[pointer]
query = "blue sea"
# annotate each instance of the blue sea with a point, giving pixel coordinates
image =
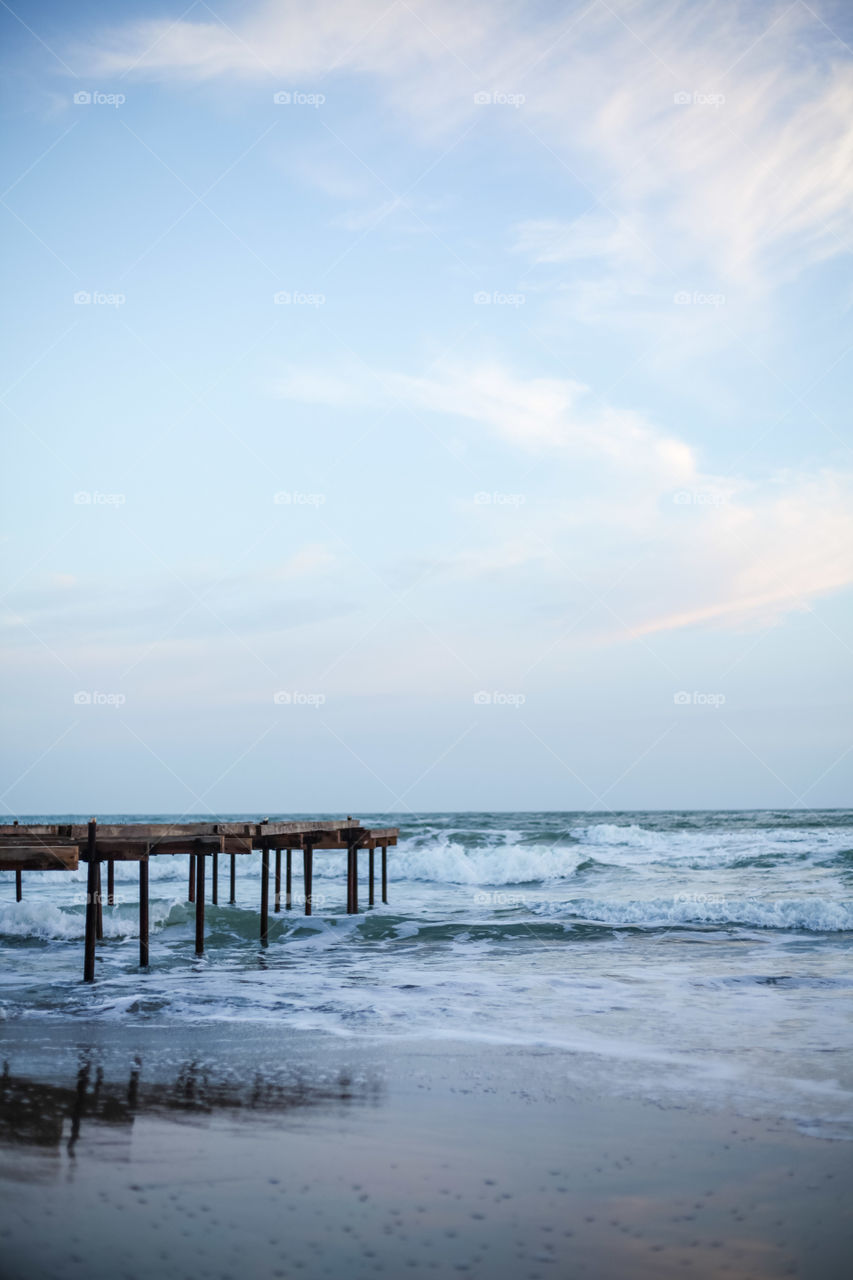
(690, 959)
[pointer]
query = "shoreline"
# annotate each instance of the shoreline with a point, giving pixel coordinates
(275, 1152)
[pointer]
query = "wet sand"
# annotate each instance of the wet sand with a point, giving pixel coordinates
(232, 1151)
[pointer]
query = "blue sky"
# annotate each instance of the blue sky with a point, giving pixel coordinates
(427, 406)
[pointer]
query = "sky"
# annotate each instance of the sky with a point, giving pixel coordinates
(414, 405)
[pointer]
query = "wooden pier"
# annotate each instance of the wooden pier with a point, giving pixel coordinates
(63, 846)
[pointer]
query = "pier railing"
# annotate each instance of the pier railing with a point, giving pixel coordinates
(63, 846)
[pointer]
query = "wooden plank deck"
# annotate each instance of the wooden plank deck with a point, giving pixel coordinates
(63, 846)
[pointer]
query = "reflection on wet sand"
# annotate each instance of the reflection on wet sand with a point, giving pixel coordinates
(41, 1115)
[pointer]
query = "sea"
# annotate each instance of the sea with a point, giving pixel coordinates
(688, 959)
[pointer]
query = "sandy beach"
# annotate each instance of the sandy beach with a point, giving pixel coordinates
(216, 1153)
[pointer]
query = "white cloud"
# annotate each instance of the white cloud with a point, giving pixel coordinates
(711, 548)
(754, 175)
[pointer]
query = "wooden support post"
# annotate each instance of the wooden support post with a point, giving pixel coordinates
(111, 883)
(370, 878)
(265, 896)
(214, 879)
(191, 889)
(355, 879)
(308, 876)
(385, 873)
(349, 879)
(288, 897)
(277, 906)
(143, 912)
(19, 885)
(199, 902)
(100, 911)
(91, 908)
(233, 897)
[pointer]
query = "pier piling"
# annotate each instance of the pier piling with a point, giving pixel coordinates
(19, 885)
(143, 911)
(199, 903)
(233, 896)
(370, 878)
(91, 890)
(288, 898)
(277, 907)
(385, 873)
(308, 876)
(111, 883)
(265, 896)
(214, 879)
(191, 887)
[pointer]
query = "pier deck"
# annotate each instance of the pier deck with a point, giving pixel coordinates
(63, 846)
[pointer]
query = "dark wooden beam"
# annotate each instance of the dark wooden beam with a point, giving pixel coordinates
(143, 913)
(91, 910)
(199, 902)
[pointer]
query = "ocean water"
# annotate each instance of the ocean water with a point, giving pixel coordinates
(689, 959)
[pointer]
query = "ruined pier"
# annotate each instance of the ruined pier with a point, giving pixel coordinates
(61, 847)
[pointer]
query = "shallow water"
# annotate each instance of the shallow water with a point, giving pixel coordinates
(696, 958)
